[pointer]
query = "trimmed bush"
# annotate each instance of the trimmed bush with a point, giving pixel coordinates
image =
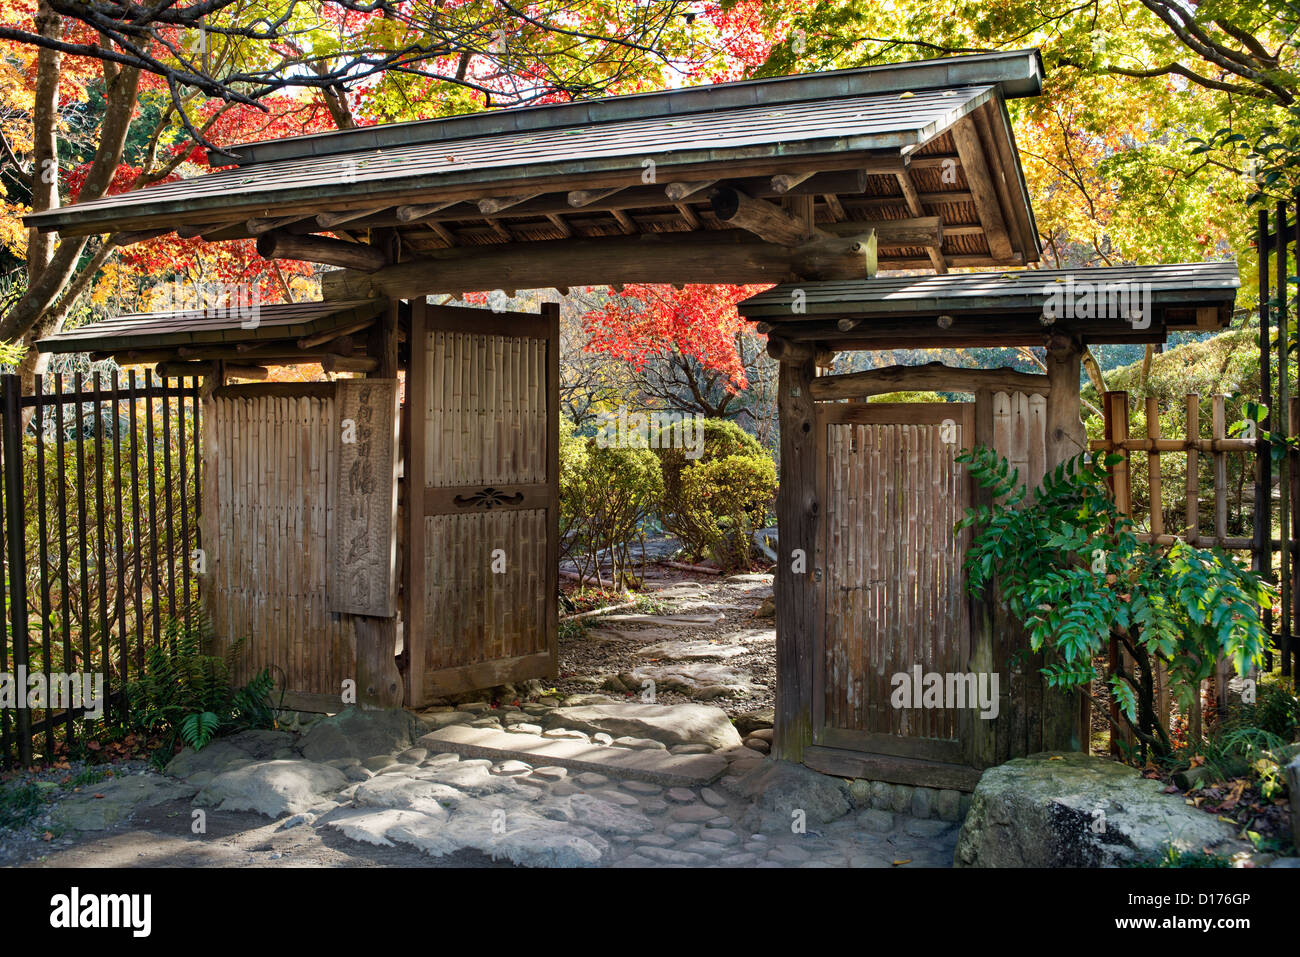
(714, 503)
(605, 495)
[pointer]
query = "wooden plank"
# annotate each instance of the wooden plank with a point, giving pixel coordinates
(890, 768)
(414, 480)
(363, 549)
(933, 376)
(798, 518)
(976, 167)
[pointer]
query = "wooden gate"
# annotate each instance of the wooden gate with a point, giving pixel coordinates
(893, 594)
(270, 451)
(482, 524)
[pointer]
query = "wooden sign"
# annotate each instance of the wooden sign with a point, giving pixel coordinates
(363, 539)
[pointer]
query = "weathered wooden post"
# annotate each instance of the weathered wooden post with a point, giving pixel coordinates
(1065, 717)
(797, 516)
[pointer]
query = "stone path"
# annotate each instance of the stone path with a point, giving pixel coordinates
(710, 640)
(377, 783)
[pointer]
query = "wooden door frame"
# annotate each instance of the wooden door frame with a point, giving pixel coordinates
(419, 498)
(877, 744)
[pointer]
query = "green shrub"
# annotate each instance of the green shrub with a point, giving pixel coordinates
(1070, 567)
(186, 694)
(605, 495)
(714, 503)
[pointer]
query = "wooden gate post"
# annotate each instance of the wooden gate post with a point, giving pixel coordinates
(1065, 718)
(379, 682)
(15, 519)
(797, 515)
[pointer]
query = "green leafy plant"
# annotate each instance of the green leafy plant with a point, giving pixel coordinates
(1072, 569)
(716, 502)
(606, 494)
(187, 694)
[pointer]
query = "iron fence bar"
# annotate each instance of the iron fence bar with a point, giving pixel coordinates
(17, 522)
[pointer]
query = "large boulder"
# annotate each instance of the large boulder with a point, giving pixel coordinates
(780, 789)
(1066, 809)
(354, 733)
(670, 724)
(245, 747)
(272, 788)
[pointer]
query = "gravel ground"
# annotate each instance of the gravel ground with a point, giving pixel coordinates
(586, 657)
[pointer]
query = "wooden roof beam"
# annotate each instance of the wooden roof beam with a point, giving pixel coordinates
(496, 204)
(680, 191)
(578, 198)
(705, 257)
(913, 200)
(983, 192)
(931, 377)
(320, 249)
(765, 220)
(414, 213)
(256, 227)
(330, 220)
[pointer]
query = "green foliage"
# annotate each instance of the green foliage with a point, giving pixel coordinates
(1275, 709)
(187, 694)
(1173, 857)
(606, 493)
(714, 503)
(19, 803)
(1071, 568)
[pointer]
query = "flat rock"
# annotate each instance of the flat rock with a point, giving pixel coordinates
(696, 679)
(272, 788)
(657, 767)
(99, 806)
(1043, 811)
(669, 724)
(690, 650)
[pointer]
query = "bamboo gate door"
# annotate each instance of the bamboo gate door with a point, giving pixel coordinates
(892, 589)
(482, 520)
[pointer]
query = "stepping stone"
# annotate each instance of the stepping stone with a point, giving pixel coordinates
(590, 779)
(655, 766)
(672, 621)
(601, 738)
(712, 798)
(551, 773)
(638, 744)
(509, 768)
(565, 789)
(565, 733)
(737, 860)
(723, 821)
(654, 807)
(680, 796)
(702, 847)
(378, 762)
(413, 755)
(524, 727)
(474, 707)
(656, 840)
(690, 749)
(693, 812)
(616, 797)
(682, 830)
(641, 787)
(721, 836)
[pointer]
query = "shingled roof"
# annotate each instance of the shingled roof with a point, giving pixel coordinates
(922, 152)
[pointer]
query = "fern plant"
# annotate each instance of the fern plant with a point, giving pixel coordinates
(1071, 568)
(186, 694)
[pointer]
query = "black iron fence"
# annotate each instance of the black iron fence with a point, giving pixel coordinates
(100, 531)
(1277, 477)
